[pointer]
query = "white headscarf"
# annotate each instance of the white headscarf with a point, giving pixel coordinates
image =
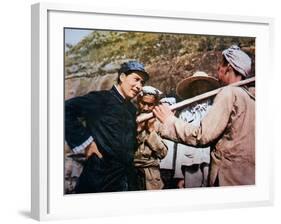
(194, 113)
(168, 100)
(151, 91)
(238, 59)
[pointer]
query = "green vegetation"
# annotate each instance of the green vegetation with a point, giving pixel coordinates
(168, 57)
(107, 46)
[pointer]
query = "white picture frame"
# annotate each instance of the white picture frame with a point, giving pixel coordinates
(48, 200)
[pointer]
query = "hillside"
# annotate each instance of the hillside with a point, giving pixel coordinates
(92, 63)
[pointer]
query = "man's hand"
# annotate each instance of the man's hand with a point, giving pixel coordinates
(141, 126)
(151, 125)
(92, 149)
(162, 112)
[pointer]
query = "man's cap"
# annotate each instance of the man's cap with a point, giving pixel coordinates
(239, 60)
(133, 66)
(198, 83)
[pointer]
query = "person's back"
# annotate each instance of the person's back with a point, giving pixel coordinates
(236, 148)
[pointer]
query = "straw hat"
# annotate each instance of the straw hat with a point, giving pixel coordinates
(196, 84)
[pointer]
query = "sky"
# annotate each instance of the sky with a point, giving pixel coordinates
(73, 36)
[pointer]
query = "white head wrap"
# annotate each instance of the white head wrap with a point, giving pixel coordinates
(194, 113)
(151, 91)
(168, 100)
(238, 59)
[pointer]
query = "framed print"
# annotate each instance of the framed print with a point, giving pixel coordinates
(84, 116)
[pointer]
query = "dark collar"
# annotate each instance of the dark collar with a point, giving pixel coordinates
(114, 91)
(117, 95)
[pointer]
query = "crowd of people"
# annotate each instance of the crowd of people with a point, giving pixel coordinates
(210, 142)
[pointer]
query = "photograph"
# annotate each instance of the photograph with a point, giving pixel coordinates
(157, 111)
(148, 106)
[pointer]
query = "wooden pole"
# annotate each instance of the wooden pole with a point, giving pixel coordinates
(189, 101)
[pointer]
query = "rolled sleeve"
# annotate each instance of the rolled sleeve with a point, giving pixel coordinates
(210, 128)
(81, 148)
(157, 144)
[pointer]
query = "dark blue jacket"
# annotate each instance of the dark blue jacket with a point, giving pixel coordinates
(111, 121)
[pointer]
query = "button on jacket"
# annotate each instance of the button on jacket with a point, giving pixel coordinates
(110, 121)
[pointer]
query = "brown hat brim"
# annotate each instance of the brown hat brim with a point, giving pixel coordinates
(196, 85)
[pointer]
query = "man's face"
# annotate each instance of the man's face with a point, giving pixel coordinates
(146, 103)
(131, 85)
(223, 74)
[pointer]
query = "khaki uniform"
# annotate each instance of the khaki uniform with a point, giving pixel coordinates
(151, 149)
(230, 126)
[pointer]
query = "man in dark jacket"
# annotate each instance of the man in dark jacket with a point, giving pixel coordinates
(108, 138)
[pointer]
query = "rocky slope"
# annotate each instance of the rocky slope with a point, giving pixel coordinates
(92, 64)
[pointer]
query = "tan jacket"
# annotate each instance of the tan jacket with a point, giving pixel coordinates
(151, 149)
(230, 125)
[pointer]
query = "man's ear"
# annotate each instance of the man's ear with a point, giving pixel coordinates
(229, 68)
(122, 77)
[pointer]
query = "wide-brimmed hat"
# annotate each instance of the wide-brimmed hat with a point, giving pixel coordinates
(197, 84)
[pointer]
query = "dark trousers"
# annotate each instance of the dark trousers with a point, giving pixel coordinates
(168, 178)
(99, 175)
